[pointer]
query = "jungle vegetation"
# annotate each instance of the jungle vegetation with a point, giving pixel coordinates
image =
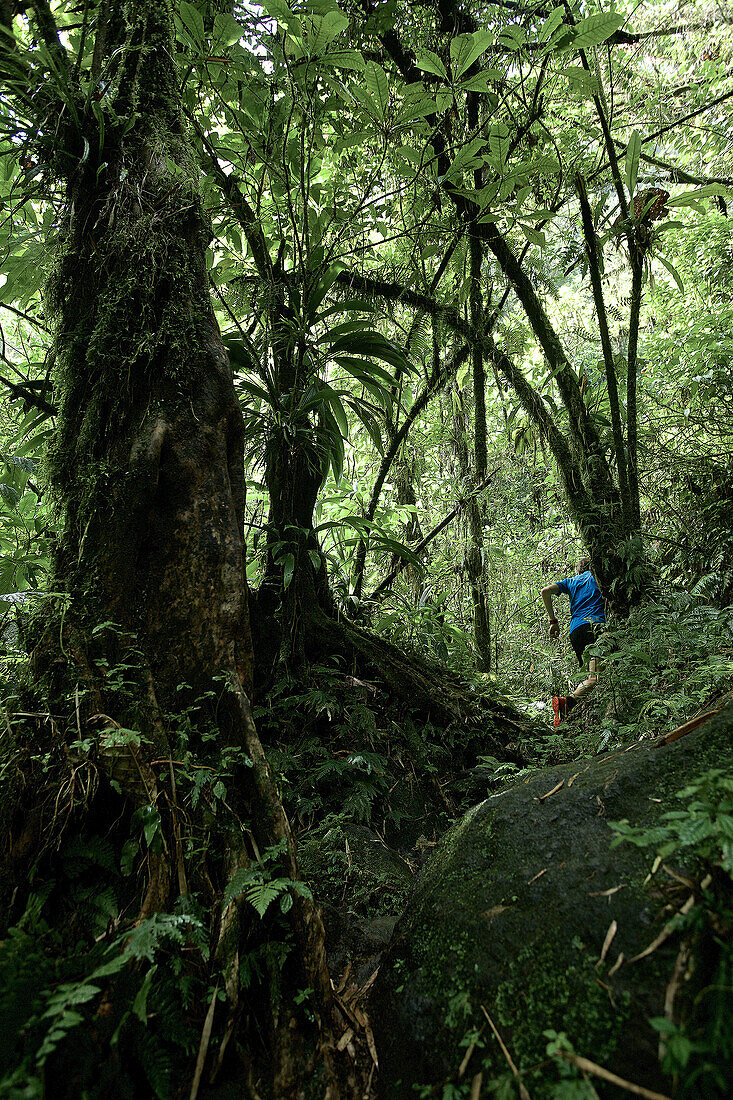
(329, 333)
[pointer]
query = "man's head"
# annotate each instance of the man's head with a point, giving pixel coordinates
(583, 565)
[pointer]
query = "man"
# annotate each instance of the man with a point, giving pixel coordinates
(587, 610)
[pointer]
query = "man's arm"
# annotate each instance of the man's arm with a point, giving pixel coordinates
(548, 592)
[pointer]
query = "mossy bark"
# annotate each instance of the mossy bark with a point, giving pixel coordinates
(146, 464)
(146, 468)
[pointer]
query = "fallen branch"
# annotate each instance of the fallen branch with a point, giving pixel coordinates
(586, 1066)
(688, 727)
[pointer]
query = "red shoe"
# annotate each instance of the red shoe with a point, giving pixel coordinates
(560, 709)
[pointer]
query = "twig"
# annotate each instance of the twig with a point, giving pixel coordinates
(670, 927)
(554, 790)
(204, 1045)
(510, 1061)
(587, 1066)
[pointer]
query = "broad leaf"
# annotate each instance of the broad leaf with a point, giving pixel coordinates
(595, 29)
(633, 151)
(429, 62)
(378, 87)
(466, 48)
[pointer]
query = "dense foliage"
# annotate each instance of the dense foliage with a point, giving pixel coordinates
(472, 267)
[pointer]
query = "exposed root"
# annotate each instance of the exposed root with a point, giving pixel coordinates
(417, 683)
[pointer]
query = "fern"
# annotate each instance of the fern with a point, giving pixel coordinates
(157, 1064)
(142, 941)
(260, 891)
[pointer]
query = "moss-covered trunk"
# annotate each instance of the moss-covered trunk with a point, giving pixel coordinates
(147, 460)
(144, 651)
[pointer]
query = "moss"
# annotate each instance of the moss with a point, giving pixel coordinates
(512, 911)
(542, 992)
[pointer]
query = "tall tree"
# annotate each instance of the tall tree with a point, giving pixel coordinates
(147, 470)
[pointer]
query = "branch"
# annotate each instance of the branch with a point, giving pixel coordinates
(582, 428)
(432, 386)
(384, 585)
(580, 501)
(594, 267)
(49, 32)
(686, 118)
(19, 390)
(241, 209)
(24, 316)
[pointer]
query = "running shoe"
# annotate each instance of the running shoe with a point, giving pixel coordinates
(559, 709)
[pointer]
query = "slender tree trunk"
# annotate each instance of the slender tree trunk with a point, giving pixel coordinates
(637, 273)
(474, 557)
(594, 266)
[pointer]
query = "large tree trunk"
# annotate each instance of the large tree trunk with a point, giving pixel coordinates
(147, 470)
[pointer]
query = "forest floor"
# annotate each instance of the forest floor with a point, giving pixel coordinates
(374, 808)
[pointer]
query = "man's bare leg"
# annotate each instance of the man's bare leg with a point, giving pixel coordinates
(590, 681)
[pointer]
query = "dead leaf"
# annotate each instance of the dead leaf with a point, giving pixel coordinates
(510, 1062)
(612, 930)
(495, 910)
(466, 1059)
(586, 1066)
(538, 875)
(617, 964)
(370, 1043)
(607, 893)
(669, 928)
(345, 1039)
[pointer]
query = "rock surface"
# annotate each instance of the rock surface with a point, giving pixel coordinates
(510, 917)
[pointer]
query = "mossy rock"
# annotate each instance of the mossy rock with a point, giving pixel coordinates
(510, 916)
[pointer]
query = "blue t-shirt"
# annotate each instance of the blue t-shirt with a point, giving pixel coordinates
(586, 601)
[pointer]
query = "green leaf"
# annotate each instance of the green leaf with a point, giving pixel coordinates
(429, 62)
(378, 87)
(288, 569)
(633, 151)
(337, 409)
(513, 37)
(326, 28)
(466, 48)
(499, 144)
(673, 272)
(226, 31)
(581, 80)
(551, 24)
(595, 29)
(9, 494)
(345, 59)
(689, 198)
(482, 81)
(192, 21)
(140, 1004)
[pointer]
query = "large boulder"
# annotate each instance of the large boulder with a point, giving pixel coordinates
(509, 919)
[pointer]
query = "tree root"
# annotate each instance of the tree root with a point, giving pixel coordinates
(419, 684)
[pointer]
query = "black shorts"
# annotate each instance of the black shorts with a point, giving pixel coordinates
(585, 635)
